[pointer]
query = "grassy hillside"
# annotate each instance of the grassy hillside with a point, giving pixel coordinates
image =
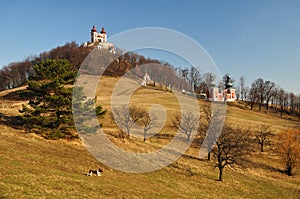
(32, 167)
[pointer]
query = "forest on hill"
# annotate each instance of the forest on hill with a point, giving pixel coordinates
(263, 93)
(49, 77)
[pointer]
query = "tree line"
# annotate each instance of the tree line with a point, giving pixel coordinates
(48, 78)
(266, 95)
(263, 94)
(17, 74)
(232, 147)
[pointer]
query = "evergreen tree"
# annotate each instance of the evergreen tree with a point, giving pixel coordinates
(84, 112)
(49, 111)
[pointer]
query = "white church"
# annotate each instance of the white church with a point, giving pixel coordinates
(100, 37)
(99, 40)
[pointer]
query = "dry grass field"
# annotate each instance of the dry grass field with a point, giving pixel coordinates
(32, 167)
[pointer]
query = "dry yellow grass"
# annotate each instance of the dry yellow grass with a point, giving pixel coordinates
(32, 167)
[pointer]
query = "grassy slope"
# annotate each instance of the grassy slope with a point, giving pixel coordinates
(31, 167)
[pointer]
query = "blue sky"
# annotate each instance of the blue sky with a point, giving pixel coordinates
(255, 38)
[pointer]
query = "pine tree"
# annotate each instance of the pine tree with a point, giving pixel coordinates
(49, 111)
(84, 112)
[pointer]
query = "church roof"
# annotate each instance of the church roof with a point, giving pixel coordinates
(94, 29)
(102, 30)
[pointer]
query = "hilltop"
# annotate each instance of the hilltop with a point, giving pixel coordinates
(35, 167)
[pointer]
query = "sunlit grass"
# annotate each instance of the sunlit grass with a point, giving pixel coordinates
(32, 167)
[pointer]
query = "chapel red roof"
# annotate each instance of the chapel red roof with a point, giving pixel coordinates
(102, 30)
(94, 29)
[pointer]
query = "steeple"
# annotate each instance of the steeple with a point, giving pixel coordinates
(94, 29)
(102, 30)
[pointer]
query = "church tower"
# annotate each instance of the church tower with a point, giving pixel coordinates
(93, 34)
(103, 34)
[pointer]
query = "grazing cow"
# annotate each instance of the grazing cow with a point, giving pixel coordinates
(96, 172)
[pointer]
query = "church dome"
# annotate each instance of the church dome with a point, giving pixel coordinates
(102, 30)
(94, 29)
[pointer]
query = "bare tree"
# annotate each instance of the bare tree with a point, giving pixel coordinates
(262, 92)
(262, 136)
(242, 88)
(148, 121)
(238, 93)
(260, 87)
(289, 147)
(210, 125)
(126, 117)
(206, 117)
(297, 102)
(282, 100)
(246, 92)
(195, 78)
(184, 73)
(269, 92)
(185, 123)
(209, 79)
(253, 95)
(203, 127)
(233, 144)
(274, 98)
(292, 102)
(207, 82)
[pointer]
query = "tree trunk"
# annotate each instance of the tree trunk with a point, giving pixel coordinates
(262, 147)
(289, 171)
(252, 105)
(220, 174)
(272, 104)
(144, 136)
(267, 105)
(188, 137)
(208, 156)
(128, 132)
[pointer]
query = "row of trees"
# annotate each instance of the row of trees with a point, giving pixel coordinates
(199, 82)
(18, 73)
(266, 94)
(128, 116)
(228, 148)
(49, 109)
(15, 74)
(235, 143)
